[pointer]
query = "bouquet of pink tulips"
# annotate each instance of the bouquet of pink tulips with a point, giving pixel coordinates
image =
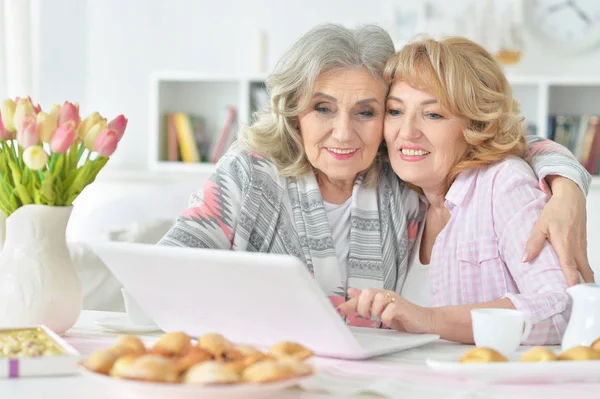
(49, 158)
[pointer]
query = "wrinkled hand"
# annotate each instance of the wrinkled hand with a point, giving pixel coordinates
(393, 310)
(563, 224)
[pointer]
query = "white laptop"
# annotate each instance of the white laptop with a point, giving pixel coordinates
(254, 299)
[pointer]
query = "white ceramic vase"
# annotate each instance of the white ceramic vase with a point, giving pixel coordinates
(38, 280)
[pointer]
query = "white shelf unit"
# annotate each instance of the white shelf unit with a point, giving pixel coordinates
(205, 95)
(544, 96)
(539, 96)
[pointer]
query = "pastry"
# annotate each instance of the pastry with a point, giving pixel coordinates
(175, 343)
(215, 344)
(213, 361)
(211, 373)
(580, 353)
(246, 361)
(539, 354)
(483, 355)
(133, 344)
(220, 347)
(145, 368)
(248, 350)
(194, 356)
(229, 355)
(290, 349)
(100, 361)
(122, 350)
(596, 345)
(122, 366)
(267, 371)
(298, 367)
(154, 368)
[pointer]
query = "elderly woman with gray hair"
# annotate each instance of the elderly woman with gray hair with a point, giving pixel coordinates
(308, 177)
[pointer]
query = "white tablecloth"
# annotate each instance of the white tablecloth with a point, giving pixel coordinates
(403, 376)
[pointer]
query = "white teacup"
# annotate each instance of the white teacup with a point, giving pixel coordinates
(501, 329)
(134, 311)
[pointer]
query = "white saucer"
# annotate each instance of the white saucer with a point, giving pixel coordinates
(123, 324)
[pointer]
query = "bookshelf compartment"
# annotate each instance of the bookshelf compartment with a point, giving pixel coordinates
(207, 100)
(574, 100)
(212, 109)
(574, 121)
(541, 98)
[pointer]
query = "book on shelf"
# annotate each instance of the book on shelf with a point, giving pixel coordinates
(581, 135)
(202, 136)
(227, 134)
(173, 153)
(187, 139)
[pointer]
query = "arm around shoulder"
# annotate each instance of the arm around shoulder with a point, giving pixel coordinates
(548, 158)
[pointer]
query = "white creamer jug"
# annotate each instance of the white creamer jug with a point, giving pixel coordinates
(584, 326)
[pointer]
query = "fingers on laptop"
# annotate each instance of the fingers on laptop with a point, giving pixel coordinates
(367, 303)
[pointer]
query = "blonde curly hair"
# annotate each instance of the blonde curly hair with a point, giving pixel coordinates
(468, 82)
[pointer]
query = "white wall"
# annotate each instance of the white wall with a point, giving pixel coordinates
(205, 36)
(101, 53)
(60, 51)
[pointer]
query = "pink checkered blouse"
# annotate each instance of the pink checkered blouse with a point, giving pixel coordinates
(477, 256)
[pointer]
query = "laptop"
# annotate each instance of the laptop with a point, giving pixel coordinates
(250, 298)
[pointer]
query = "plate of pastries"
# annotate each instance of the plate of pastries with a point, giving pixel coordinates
(530, 365)
(178, 366)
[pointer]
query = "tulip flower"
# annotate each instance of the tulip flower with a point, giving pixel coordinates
(23, 110)
(49, 156)
(7, 110)
(54, 111)
(118, 124)
(36, 108)
(63, 138)
(68, 112)
(90, 137)
(106, 142)
(27, 133)
(4, 133)
(87, 123)
(35, 157)
(46, 126)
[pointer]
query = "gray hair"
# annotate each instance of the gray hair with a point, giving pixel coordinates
(325, 48)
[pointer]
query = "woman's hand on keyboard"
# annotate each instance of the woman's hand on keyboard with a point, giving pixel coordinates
(393, 310)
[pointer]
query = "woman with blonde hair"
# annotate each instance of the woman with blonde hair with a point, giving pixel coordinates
(454, 132)
(307, 178)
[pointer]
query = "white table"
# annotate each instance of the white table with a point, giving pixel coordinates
(402, 375)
